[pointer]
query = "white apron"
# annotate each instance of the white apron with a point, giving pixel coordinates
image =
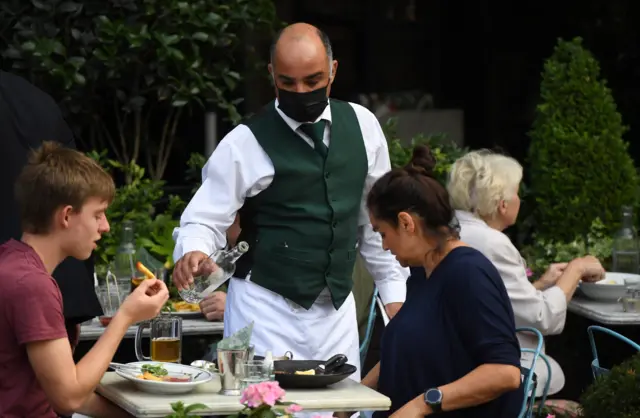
(281, 325)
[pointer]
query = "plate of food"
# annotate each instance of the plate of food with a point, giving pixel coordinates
(312, 374)
(163, 378)
(182, 308)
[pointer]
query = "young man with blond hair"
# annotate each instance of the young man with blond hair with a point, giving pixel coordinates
(62, 197)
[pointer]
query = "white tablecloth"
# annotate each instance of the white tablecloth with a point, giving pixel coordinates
(198, 326)
(608, 313)
(344, 396)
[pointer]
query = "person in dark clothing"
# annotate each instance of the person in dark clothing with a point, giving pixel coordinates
(28, 117)
(452, 348)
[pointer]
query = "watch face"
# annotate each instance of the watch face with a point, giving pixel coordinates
(433, 396)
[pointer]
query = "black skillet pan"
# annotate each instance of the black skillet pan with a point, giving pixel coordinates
(327, 372)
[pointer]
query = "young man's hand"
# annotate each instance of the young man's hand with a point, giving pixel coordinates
(146, 301)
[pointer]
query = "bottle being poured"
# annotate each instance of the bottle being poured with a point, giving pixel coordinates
(213, 272)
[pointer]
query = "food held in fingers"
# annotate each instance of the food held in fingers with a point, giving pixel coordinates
(144, 270)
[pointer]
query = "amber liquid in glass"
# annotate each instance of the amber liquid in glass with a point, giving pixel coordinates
(165, 349)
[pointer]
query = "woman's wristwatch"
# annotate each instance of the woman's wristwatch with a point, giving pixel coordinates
(433, 398)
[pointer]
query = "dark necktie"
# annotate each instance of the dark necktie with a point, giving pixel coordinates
(315, 131)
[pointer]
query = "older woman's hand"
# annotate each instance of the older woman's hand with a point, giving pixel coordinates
(592, 269)
(553, 273)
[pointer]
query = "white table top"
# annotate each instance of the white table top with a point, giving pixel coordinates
(347, 395)
(609, 313)
(197, 326)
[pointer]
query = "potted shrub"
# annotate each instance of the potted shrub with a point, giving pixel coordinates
(580, 168)
(616, 394)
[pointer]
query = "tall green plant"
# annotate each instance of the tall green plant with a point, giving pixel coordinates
(128, 70)
(580, 168)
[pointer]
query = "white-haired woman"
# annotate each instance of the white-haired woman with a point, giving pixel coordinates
(483, 188)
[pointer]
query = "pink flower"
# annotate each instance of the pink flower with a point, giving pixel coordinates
(262, 393)
(529, 274)
(292, 409)
(551, 416)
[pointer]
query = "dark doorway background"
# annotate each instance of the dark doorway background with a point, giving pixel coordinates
(482, 56)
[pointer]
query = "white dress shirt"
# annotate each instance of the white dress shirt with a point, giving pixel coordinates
(544, 310)
(239, 169)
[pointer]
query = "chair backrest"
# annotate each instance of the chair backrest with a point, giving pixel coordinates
(595, 364)
(545, 391)
(529, 378)
(364, 347)
(383, 311)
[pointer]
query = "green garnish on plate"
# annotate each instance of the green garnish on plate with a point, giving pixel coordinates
(155, 369)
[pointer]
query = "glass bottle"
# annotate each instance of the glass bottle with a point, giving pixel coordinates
(213, 272)
(626, 252)
(123, 266)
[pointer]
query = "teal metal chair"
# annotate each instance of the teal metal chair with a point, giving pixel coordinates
(545, 391)
(529, 378)
(595, 364)
(364, 346)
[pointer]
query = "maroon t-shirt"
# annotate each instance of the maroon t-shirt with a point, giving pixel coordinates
(30, 311)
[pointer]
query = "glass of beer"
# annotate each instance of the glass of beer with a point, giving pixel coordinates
(165, 332)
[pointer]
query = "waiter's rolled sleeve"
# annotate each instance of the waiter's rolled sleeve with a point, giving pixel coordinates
(390, 277)
(188, 244)
(482, 316)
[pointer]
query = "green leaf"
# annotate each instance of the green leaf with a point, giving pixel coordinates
(176, 53)
(179, 102)
(171, 39)
(80, 79)
(76, 62)
(40, 5)
(28, 46)
(70, 7)
(200, 36)
(195, 407)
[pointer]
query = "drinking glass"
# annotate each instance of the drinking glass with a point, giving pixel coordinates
(255, 371)
(111, 294)
(165, 332)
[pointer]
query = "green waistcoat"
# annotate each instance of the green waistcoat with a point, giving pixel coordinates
(302, 229)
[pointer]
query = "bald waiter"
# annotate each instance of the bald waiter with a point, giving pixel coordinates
(298, 173)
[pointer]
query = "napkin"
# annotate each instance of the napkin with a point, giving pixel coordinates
(238, 341)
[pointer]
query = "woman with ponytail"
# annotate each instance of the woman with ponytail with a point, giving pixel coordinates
(452, 348)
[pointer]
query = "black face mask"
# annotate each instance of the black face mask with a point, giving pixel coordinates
(303, 107)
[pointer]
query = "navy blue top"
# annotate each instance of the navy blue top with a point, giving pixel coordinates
(453, 322)
(417, 278)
